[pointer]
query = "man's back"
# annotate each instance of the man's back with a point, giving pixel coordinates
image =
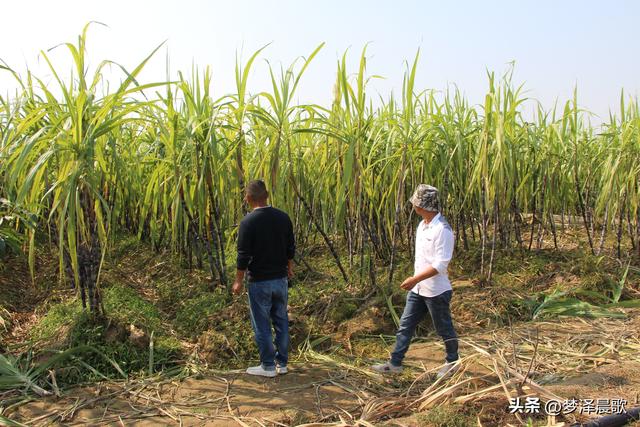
(265, 244)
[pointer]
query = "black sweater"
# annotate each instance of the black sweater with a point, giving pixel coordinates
(265, 244)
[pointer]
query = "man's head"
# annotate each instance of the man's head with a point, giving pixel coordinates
(256, 193)
(425, 198)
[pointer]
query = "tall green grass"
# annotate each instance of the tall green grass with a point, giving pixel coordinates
(171, 165)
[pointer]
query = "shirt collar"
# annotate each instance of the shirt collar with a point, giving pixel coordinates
(433, 222)
(261, 207)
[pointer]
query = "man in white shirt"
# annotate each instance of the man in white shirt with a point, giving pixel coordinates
(429, 288)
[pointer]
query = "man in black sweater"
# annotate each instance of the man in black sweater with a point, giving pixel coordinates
(265, 250)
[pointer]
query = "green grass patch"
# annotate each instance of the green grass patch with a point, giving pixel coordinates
(342, 309)
(174, 290)
(58, 316)
(124, 245)
(118, 349)
(446, 416)
(194, 315)
(125, 305)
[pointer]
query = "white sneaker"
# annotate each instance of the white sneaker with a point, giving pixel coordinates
(261, 372)
(281, 369)
(387, 368)
(448, 369)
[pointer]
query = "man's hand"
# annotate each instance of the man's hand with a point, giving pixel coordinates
(237, 288)
(409, 283)
(290, 269)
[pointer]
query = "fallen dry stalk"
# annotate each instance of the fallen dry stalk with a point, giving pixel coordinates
(489, 369)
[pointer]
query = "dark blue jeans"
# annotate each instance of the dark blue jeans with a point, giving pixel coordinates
(414, 311)
(268, 304)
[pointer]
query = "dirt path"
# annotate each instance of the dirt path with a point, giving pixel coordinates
(311, 391)
(307, 392)
(574, 358)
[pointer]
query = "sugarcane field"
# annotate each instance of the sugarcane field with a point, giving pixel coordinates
(336, 214)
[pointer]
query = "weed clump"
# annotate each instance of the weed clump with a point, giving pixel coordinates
(125, 305)
(59, 317)
(445, 416)
(121, 340)
(342, 310)
(195, 315)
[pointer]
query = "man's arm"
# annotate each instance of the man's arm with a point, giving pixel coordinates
(425, 274)
(444, 251)
(290, 269)
(291, 249)
(243, 258)
(237, 284)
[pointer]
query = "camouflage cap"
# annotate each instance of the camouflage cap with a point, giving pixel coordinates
(426, 197)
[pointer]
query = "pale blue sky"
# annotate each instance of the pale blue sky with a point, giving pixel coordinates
(555, 44)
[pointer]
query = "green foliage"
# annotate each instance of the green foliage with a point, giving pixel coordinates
(560, 304)
(176, 290)
(171, 164)
(169, 345)
(194, 315)
(574, 302)
(116, 353)
(58, 317)
(13, 219)
(123, 304)
(10, 241)
(24, 373)
(342, 309)
(124, 245)
(93, 332)
(84, 161)
(9, 422)
(4, 321)
(447, 415)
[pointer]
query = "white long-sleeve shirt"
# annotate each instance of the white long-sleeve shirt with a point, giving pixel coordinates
(434, 247)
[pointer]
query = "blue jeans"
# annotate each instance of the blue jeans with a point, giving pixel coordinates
(415, 309)
(268, 304)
